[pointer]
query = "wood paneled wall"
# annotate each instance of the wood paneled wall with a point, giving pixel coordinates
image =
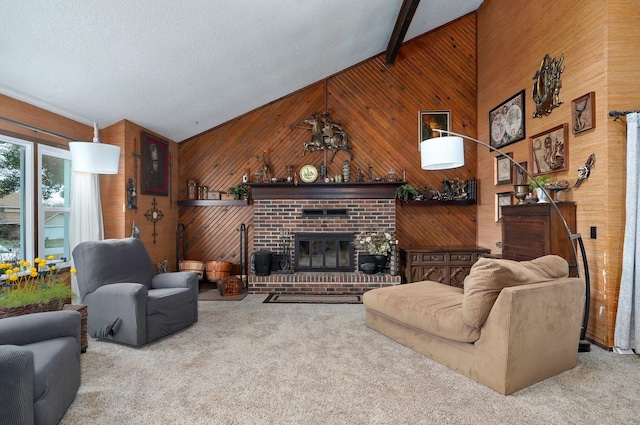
(378, 107)
(592, 38)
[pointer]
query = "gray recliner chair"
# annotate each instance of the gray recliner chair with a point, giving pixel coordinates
(127, 301)
(39, 367)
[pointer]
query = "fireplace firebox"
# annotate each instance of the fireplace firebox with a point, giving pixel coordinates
(323, 252)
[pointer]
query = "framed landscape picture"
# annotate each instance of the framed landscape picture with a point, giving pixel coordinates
(155, 164)
(583, 116)
(550, 150)
(506, 121)
(428, 121)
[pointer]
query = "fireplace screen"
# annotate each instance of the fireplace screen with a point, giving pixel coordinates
(324, 252)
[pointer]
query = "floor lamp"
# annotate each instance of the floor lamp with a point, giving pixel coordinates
(445, 152)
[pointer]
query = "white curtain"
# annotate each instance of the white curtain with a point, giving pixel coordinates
(627, 334)
(86, 214)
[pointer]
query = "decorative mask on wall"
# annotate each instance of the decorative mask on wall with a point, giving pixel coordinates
(546, 88)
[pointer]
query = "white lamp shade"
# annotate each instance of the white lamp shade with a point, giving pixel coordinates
(441, 153)
(96, 158)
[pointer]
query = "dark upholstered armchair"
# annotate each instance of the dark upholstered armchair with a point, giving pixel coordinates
(39, 366)
(127, 301)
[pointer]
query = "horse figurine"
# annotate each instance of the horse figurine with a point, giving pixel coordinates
(331, 136)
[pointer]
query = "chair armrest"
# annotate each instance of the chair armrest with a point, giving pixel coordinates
(16, 384)
(36, 327)
(175, 280)
(124, 301)
(179, 280)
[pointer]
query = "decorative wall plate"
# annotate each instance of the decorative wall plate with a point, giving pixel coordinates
(308, 173)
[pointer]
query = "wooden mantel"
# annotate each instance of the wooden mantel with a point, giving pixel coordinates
(360, 190)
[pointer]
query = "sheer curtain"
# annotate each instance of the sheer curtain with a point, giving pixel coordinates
(86, 213)
(627, 333)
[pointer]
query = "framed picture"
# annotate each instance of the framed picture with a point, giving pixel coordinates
(502, 199)
(428, 121)
(503, 169)
(519, 176)
(583, 113)
(506, 121)
(550, 150)
(154, 160)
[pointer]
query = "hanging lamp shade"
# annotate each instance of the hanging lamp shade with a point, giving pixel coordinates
(441, 153)
(96, 157)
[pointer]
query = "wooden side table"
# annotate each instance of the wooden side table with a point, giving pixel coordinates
(82, 309)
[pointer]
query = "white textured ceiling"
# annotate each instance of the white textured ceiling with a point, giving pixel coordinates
(181, 67)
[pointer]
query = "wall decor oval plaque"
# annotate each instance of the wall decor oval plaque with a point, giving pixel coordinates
(546, 88)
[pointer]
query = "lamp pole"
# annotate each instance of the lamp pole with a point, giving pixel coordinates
(584, 345)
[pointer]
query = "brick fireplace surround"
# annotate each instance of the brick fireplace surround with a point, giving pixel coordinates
(370, 206)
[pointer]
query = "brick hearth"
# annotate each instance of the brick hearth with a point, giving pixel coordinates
(320, 283)
(278, 207)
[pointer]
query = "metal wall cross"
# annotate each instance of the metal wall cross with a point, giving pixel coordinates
(154, 215)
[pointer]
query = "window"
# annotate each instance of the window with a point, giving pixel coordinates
(33, 194)
(54, 200)
(16, 199)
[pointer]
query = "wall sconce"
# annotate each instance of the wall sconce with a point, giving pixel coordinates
(96, 157)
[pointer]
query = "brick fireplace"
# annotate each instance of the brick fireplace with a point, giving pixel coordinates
(307, 209)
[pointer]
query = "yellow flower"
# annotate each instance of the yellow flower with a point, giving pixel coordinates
(34, 273)
(16, 269)
(13, 277)
(73, 271)
(37, 260)
(52, 268)
(9, 272)
(33, 270)
(51, 257)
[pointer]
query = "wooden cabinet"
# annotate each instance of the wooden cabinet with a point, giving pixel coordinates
(445, 265)
(533, 230)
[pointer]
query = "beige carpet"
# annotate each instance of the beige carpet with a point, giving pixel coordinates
(253, 363)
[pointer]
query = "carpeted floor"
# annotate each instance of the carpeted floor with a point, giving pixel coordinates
(314, 298)
(253, 363)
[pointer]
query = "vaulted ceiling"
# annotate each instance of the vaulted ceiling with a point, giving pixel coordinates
(181, 67)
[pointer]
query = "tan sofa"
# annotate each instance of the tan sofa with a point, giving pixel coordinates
(514, 324)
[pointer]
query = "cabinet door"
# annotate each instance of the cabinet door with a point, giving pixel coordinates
(433, 273)
(457, 275)
(525, 237)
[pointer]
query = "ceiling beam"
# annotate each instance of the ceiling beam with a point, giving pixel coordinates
(405, 16)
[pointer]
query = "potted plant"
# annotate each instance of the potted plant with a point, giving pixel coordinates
(542, 181)
(31, 289)
(406, 192)
(238, 191)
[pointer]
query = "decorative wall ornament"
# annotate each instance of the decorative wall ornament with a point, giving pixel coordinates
(550, 150)
(583, 113)
(326, 135)
(547, 85)
(154, 215)
(429, 121)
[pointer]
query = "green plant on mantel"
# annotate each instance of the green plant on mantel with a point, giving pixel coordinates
(406, 192)
(238, 191)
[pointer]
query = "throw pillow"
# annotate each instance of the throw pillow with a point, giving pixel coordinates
(488, 276)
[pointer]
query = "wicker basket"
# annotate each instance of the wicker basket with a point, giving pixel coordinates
(52, 305)
(193, 266)
(218, 269)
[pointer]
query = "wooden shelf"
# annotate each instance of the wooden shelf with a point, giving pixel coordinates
(432, 202)
(211, 203)
(351, 190)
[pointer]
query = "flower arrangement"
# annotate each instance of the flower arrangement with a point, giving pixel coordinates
(25, 284)
(377, 243)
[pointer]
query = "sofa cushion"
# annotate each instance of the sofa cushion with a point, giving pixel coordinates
(488, 276)
(426, 306)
